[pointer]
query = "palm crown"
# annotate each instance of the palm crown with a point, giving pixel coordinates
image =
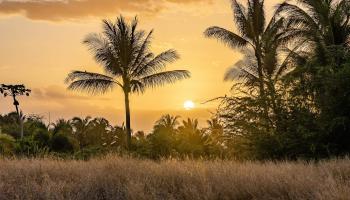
(260, 41)
(124, 53)
(322, 23)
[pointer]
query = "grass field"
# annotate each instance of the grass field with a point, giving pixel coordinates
(122, 178)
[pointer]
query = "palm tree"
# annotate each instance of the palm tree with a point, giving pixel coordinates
(124, 52)
(214, 127)
(167, 122)
(251, 24)
(191, 140)
(260, 43)
(81, 127)
(62, 126)
(278, 61)
(100, 132)
(323, 23)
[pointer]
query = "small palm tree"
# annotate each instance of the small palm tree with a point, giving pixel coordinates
(124, 52)
(215, 127)
(81, 127)
(62, 126)
(167, 122)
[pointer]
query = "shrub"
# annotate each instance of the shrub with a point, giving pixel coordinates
(7, 144)
(42, 137)
(61, 143)
(27, 146)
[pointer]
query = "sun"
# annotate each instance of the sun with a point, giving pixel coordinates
(189, 105)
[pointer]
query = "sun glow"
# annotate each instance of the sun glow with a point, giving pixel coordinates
(189, 105)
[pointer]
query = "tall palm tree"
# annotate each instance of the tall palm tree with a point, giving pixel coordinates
(124, 52)
(260, 43)
(323, 23)
(250, 24)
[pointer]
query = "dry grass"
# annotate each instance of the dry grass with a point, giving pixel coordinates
(122, 178)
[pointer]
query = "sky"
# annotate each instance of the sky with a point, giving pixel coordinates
(41, 42)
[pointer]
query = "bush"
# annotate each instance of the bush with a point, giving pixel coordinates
(61, 143)
(7, 144)
(42, 137)
(27, 146)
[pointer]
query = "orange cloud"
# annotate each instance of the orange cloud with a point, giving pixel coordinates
(55, 92)
(57, 10)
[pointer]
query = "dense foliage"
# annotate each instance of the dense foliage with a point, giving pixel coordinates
(83, 138)
(294, 95)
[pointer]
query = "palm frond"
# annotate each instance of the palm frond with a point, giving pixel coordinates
(298, 16)
(227, 37)
(256, 16)
(241, 73)
(232, 74)
(92, 86)
(110, 31)
(156, 64)
(142, 51)
(75, 75)
(103, 53)
(137, 86)
(162, 78)
(92, 83)
(241, 19)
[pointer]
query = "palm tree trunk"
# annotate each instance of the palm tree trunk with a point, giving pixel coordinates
(127, 120)
(261, 80)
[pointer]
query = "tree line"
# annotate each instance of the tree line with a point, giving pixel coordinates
(82, 138)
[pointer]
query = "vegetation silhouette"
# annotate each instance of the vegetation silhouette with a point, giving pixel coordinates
(290, 101)
(321, 23)
(14, 91)
(125, 55)
(290, 95)
(82, 138)
(290, 67)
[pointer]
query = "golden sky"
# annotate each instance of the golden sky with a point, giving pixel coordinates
(41, 42)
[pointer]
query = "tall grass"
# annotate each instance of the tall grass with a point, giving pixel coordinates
(125, 178)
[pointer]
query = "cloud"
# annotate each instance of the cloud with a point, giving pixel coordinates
(55, 92)
(59, 10)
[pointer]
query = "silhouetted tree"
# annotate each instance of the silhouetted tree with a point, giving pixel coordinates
(167, 122)
(191, 140)
(124, 52)
(14, 91)
(81, 127)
